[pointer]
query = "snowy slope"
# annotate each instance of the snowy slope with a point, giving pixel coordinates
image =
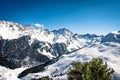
(8, 74)
(108, 53)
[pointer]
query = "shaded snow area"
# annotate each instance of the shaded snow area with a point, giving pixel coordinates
(111, 55)
(8, 74)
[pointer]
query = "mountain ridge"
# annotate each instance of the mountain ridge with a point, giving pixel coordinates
(26, 46)
(20, 42)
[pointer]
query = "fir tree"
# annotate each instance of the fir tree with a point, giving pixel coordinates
(95, 69)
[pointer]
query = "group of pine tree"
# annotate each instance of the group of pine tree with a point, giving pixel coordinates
(96, 69)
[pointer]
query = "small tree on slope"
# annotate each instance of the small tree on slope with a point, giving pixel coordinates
(95, 69)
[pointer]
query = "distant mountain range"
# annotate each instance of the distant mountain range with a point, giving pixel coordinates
(28, 46)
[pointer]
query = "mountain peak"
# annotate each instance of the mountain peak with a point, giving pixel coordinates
(10, 24)
(115, 32)
(112, 37)
(62, 31)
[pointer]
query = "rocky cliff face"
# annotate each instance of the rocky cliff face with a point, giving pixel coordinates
(15, 53)
(59, 49)
(19, 53)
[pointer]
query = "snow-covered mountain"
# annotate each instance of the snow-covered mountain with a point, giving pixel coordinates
(112, 37)
(11, 30)
(27, 46)
(28, 42)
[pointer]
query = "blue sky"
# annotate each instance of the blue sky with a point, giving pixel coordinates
(80, 16)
